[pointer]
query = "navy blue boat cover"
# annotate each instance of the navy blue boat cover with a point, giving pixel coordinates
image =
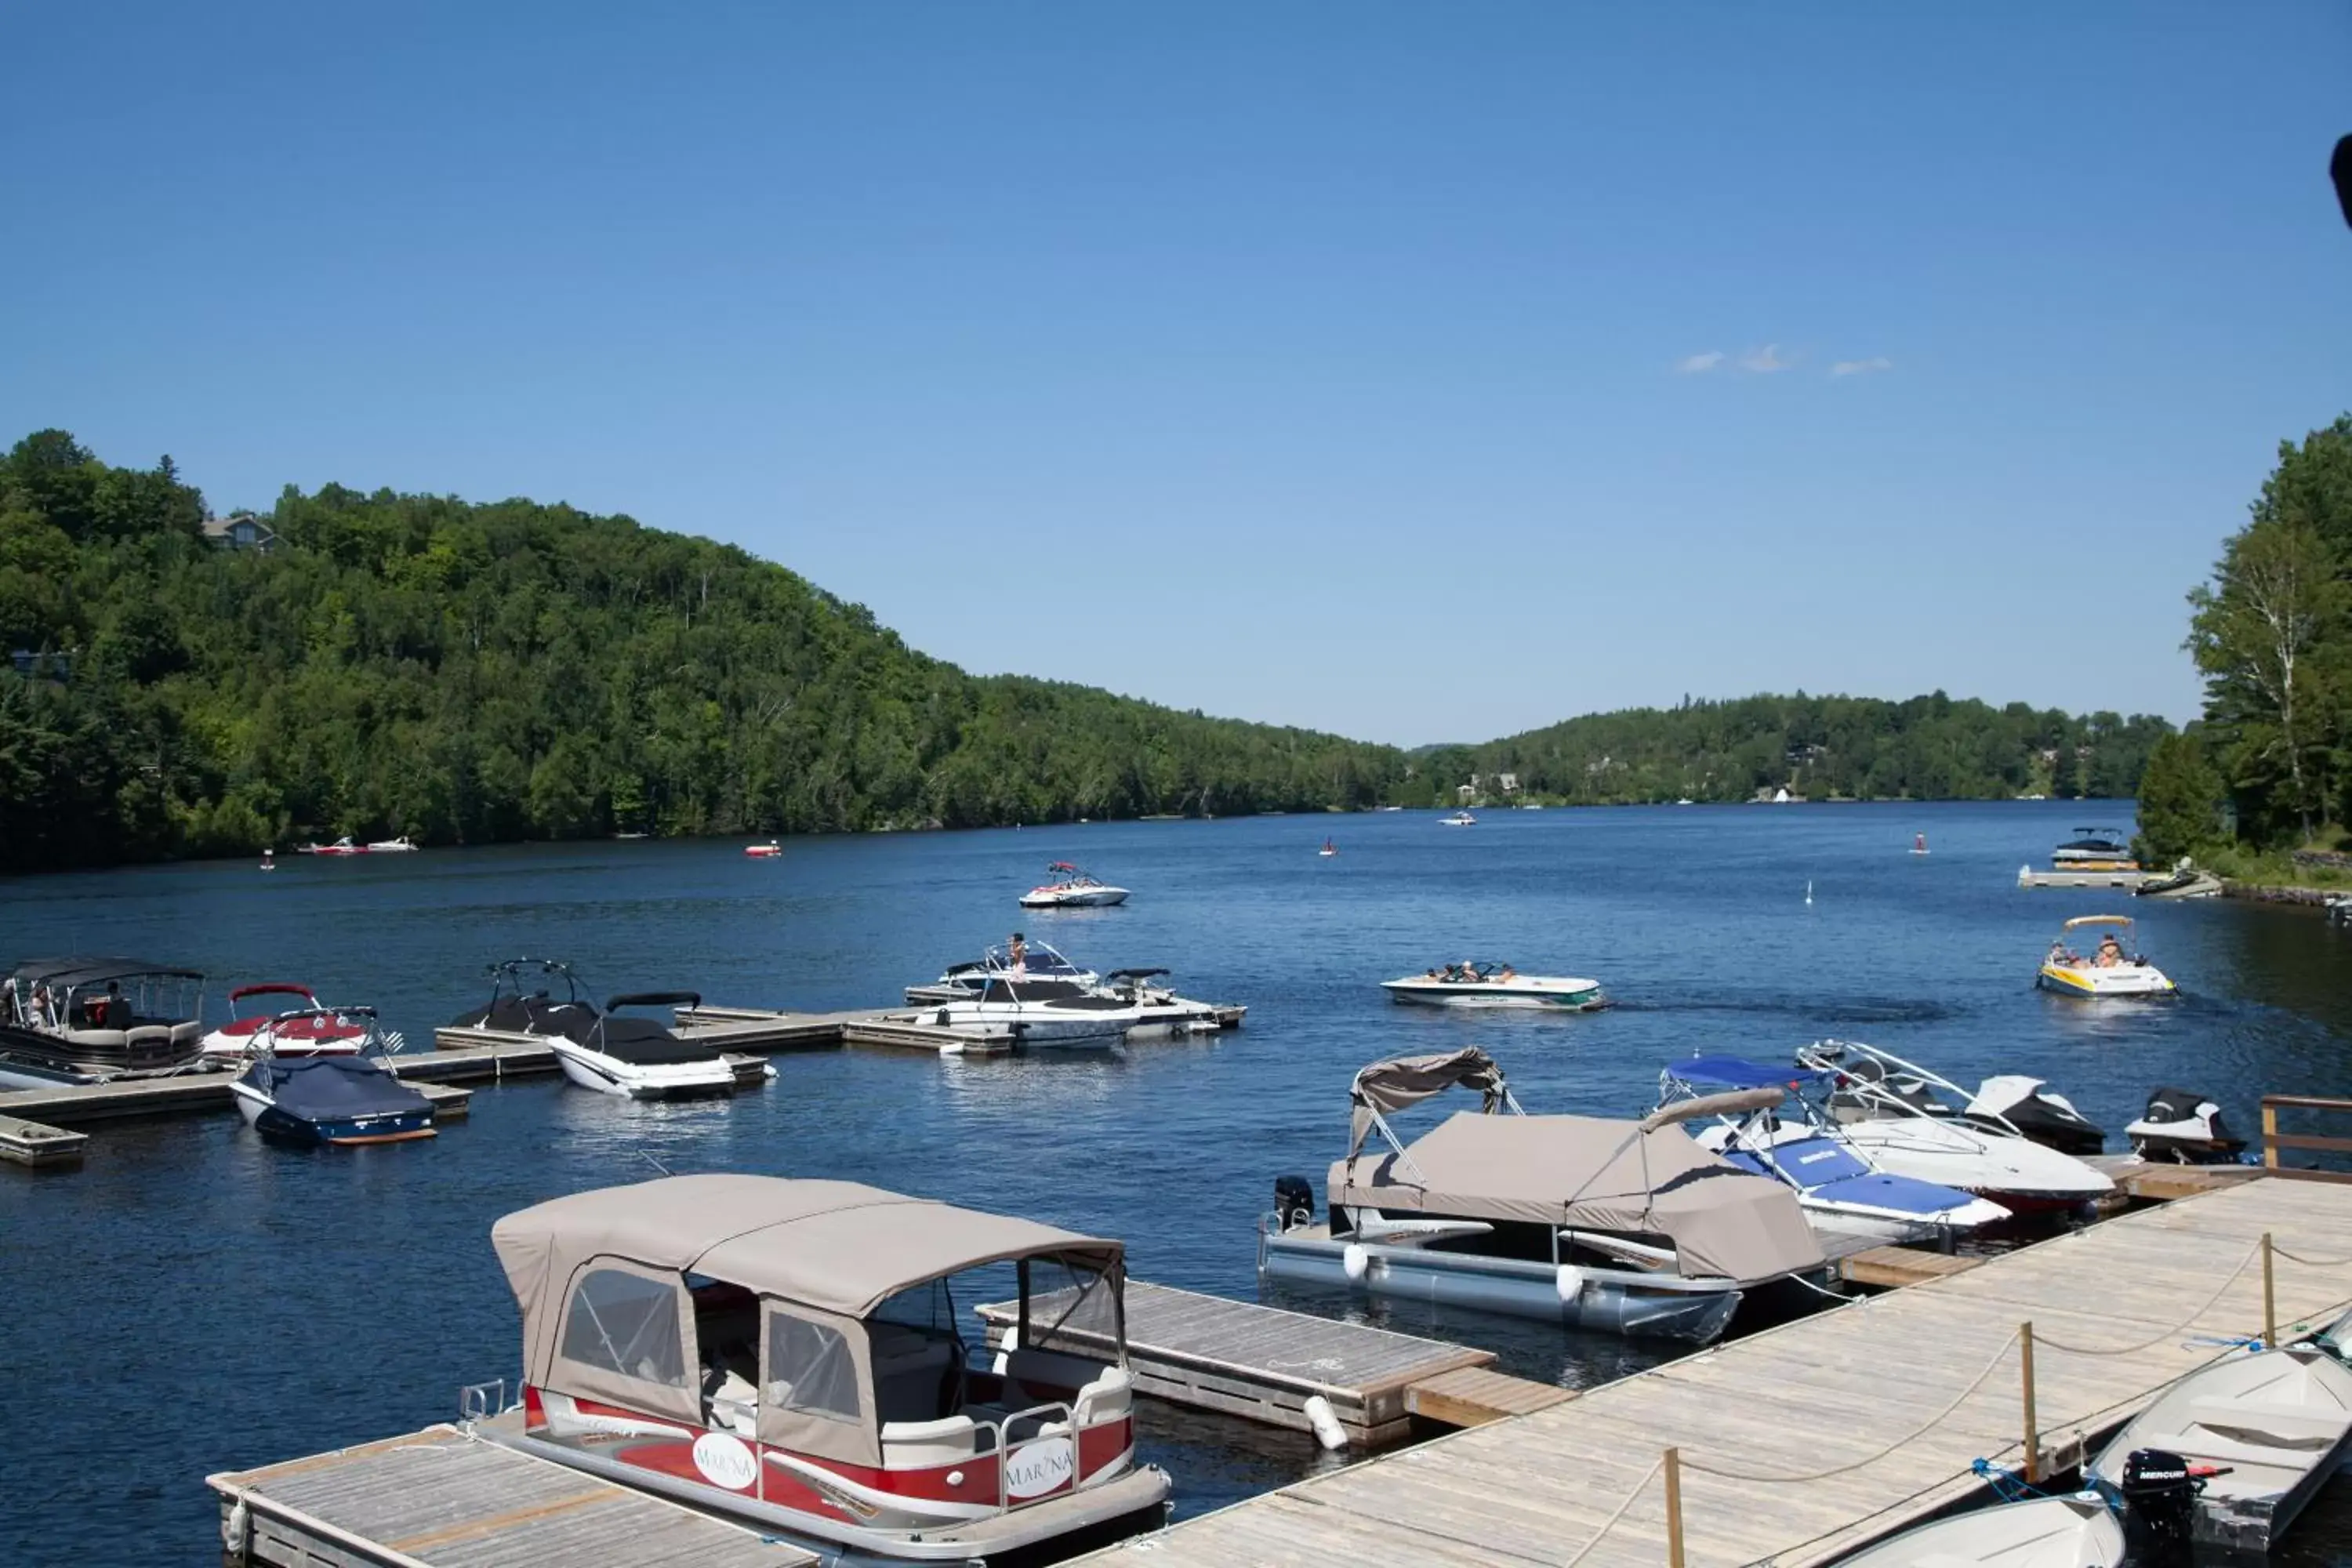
(333, 1088)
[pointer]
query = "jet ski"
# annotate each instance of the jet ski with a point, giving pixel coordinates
(2184, 1126)
(1874, 1083)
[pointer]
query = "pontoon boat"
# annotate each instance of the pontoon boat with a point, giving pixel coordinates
(639, 1058)
(1627, 1226)
(1484, 982)
(1982, 1152)
(86, 1020)
(787, 1355)
(313, 1030)
(1842, 1192)
(1071, 888)
(2102, 973)
(2274, 1425)
(336, 1100)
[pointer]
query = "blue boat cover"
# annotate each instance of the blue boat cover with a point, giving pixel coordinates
(332, 1088)
(1738, 1072)
(1905, 1194)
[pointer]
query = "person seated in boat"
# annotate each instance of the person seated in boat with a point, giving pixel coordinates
(2060, 957)
(1470, 975)
(2111, 952)
(1506, 975)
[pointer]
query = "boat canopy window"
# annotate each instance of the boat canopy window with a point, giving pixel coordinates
(624, 1322)
(925, 1306)
(1070, 1304)
(810, 1368)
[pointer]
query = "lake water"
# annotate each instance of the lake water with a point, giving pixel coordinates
(193, 1299)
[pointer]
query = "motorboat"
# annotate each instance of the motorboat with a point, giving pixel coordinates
(1623, 1227)
(638, 1057)
(768, 851)
(2094, 849)
(965, 982)
(2185, 1127)
(522, 1001)
(787, 1355)
(1459, 819)
(2272, 1426)
(1869, 1078)
(329, 1101)
(343, 845)
(1486, 982)
(1981, 1153)
(2112, 971)
(1042, 1014)
(400, 846)
(1841, 1191)
(313, 1029)
(87, 1020)
(2187, 879)
(1071, 888)
(2075, 1530)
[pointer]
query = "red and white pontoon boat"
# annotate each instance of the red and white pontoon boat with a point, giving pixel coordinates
(787, 1353)
(316, 1031)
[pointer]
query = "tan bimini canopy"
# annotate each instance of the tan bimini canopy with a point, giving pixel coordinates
(1408, 1080)
(837, 1246)
(1586, 1173)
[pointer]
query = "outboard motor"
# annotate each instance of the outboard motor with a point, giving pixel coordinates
(1294, 1203)
(2159, 1494)
(2183, 1126)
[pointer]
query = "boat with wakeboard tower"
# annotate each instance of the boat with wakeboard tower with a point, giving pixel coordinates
(83, 1020)
(2111, 970)
(638, 1059)
(1035, 1013)
(1619, 1227)
(329, 1101)
(965, 982)
(1491, 982)
(788, 1355)
(1071, 888)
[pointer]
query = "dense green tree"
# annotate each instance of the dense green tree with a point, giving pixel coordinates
(2179, 801)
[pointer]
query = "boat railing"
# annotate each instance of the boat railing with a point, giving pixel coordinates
(1043, 1432)
(1831, 1056)
(477, 1402)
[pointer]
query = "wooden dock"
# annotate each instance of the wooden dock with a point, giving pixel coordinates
(39, 1145)
(1263, 1363)
(2027, 877)
(76, 1105)
(1758, 1425)
(442, 1498)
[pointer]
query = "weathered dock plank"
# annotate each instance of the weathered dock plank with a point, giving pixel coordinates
(39, 1144)
(1264, 1364)
(2118, 1311)
(1890, 1268)
(1473, 1395)
(442, 1498)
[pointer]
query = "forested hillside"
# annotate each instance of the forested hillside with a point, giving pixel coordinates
(1928, 748)
(389, 663)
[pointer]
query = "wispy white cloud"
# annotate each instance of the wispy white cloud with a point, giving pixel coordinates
(1861, 366)
(1764, 361)
(1699, 364)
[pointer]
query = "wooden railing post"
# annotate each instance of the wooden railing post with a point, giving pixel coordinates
(2269, 1299)
(1673, 1508)
(2033, 1435)
(2269, 1135)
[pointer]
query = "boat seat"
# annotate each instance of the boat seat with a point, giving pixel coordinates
(2205, 1445)
(925, 1444)
(912, 1374)
(2287, 1424)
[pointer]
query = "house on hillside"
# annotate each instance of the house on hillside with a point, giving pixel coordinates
(1507, 783)
(239, 530)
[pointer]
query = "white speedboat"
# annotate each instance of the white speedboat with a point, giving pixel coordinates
(400, 846)
(1164, 1012)
(1484, 983)
(343, 845)
(1459, 819)
(965, 982)
(1039, 1014)
(1619, 1227)
(1071, 888)
(1842, 1193)
(314, 1030)
(1869, 1081)
(1987, 1157)
(638, 1057)
(2094, 849)
(788, 1355)
(2271, 1426)
(2110, 969)
(2074, 1531)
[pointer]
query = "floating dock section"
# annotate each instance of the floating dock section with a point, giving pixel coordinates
(1803, 1442)
(2027, 877)
(442, 1498)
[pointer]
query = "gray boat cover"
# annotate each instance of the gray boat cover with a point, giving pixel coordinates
(1392, 1086)
(1590, 1174)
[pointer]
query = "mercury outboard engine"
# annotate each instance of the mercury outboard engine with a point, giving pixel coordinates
(2185, 1127)
(2041, 1113)
(1294, 1201)
(2160, 1497)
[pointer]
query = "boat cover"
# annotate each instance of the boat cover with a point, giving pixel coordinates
(642, 1042)
(1595, 1174)
(1408, 1080)
(333, 1088)
(840, 1247)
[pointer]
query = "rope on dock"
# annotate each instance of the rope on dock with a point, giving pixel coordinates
(1610, 1522)
(2041, 1339)
(1925, 1426)
(2278, 1251)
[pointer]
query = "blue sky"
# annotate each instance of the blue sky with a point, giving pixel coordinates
(1347, 365)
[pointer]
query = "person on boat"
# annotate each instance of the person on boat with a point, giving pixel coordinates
(1016, 954)
(1506, 975)
(2061, 957)
(1470, 975)
(2111, 952)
